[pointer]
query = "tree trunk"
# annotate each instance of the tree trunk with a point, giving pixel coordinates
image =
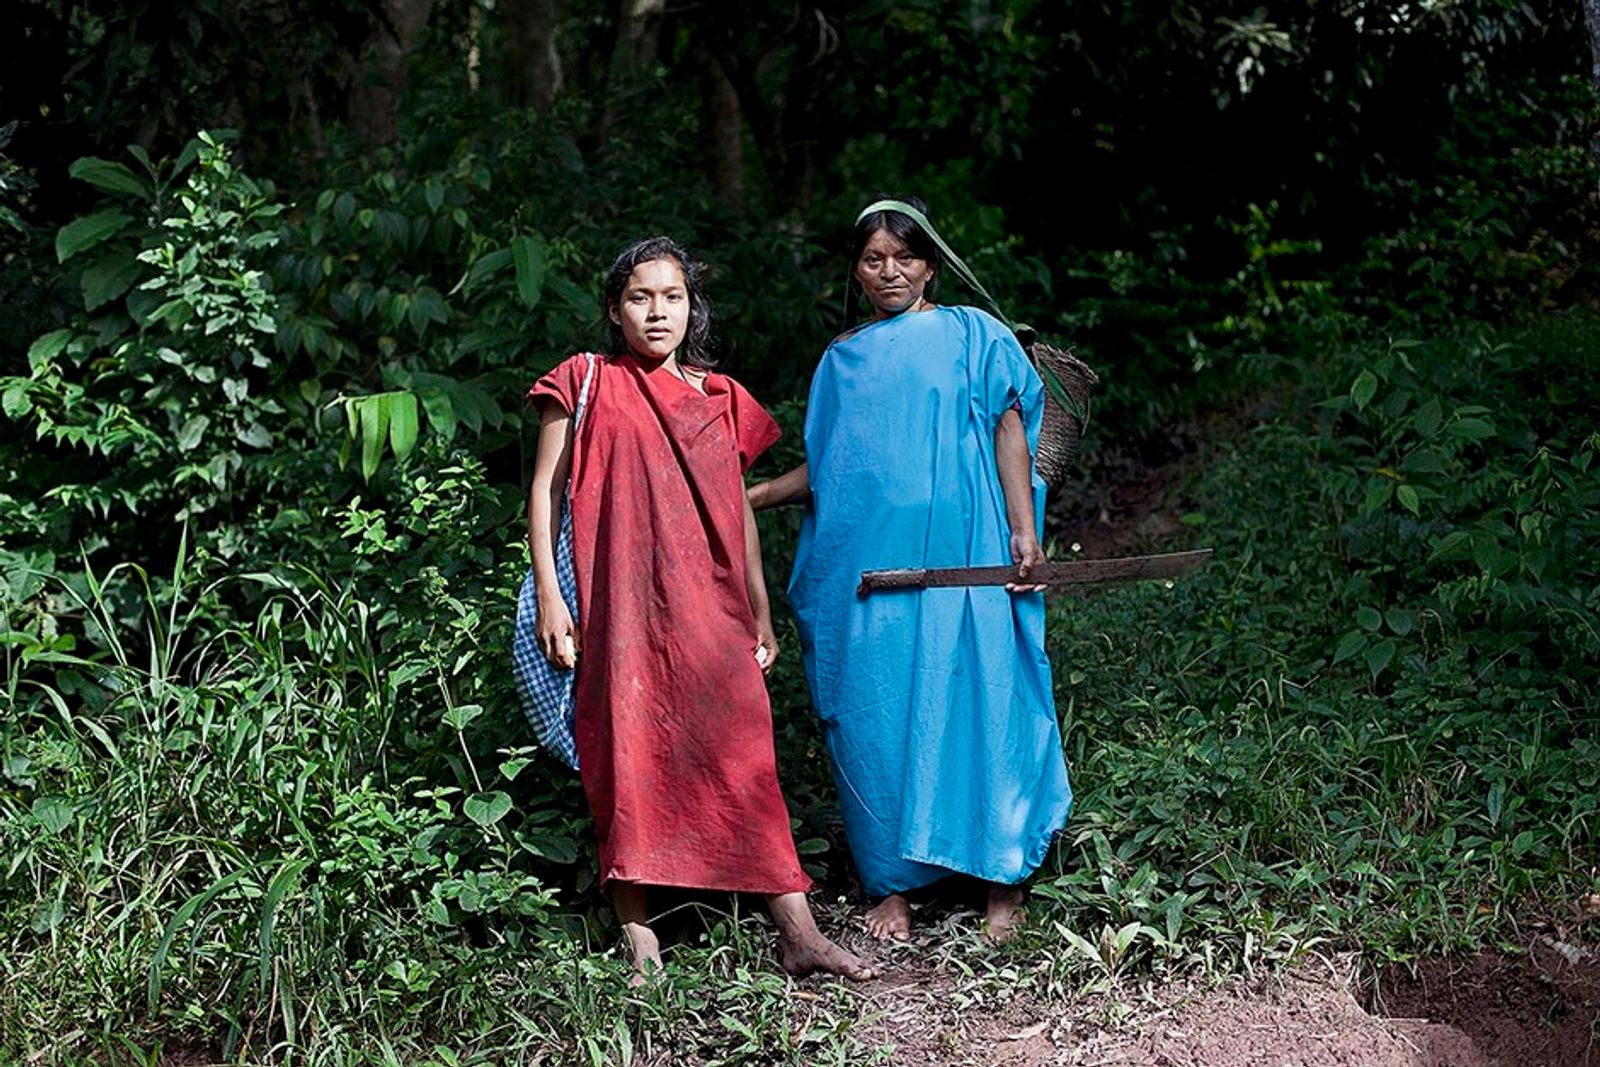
(638, 23)
(1591, 15)
(533, 66)
(381, 74)
(807, 127)
(722, 126)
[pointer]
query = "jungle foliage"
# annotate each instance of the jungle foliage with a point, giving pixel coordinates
(277, 275)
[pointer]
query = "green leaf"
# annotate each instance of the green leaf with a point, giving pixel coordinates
(1350, 644)
(47, 348)
(112, 177)
(441, 412)
(1425, 461)
(576, 297)
(16, 402)
(1401, 620)
(812, 846)
(528, 255)
(374, 430)
(184, 913)
(1379, 657)
(111, 275)
(53, 813)
(1428, 417)
(509, 769)
(486, 809)
(462, 714)
(1369, 619)
(427, 306)
(557, 848)
(483, 268)
(88, 231)
(402, 423)
(1452, 546)
(1472, 429)
(283, 882)
(1364, 389)
(1407, 495)
(192, 431)
(255, 435)
(1379, 492)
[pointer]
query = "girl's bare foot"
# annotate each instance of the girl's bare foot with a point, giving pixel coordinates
(1005, 913)
(646, 949)
(803, 948)
(890, 920)
(803, 956)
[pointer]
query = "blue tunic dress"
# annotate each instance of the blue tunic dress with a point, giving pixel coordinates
(936, 704)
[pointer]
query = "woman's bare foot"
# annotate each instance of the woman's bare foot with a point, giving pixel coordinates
(890, 920)
(1004, 915)
(646, 949)
(803, 956)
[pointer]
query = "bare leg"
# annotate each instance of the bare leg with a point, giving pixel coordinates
(629, 900)
(890, 919)
(803, 947)
(1004, 914)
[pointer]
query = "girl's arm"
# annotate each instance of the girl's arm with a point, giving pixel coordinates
(558, 637)
(1015, 464)
(755, 584)
(791, 487)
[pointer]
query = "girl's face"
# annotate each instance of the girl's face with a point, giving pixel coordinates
(893, 277)
(653, 310)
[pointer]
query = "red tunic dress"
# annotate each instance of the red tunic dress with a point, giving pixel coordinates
(674, 728)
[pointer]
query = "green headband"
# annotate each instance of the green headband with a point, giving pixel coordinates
(962, 271)
(1052, 381)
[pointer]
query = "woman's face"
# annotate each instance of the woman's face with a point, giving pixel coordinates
(653, 310)
(892, 276)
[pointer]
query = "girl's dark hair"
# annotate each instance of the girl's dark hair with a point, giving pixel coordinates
(693, 351)
(910, 234)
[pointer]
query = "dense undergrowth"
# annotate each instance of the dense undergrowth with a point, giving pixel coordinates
(265, 794)
(314, 833)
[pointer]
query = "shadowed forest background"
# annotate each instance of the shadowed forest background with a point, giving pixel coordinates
(276, 275)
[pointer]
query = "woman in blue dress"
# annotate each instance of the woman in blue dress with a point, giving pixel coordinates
(936, 704)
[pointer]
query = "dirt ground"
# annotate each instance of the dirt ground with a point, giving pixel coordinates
(1538, 1008)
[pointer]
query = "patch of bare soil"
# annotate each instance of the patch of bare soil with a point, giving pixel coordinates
(1126, 496)
(1541, 1009)
(946, 999)
(1308, 1018)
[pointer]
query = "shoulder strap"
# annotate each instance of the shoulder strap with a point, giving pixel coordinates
(583, 390)
(957, 265)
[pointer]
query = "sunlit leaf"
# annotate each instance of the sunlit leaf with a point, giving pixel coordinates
(486, 809)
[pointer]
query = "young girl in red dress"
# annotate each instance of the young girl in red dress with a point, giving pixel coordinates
(673, 725)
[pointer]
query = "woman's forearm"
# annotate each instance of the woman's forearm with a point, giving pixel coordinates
(1015, 466)
(790, 487)
(755, 578)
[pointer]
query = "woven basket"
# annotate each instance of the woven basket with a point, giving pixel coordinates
(1065, 375)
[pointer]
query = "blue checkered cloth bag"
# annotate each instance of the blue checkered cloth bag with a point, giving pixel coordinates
(546, 692)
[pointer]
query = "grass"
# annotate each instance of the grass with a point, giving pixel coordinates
(282, 838)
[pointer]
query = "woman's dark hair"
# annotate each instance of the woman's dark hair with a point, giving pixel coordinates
(693, 351)
(910, 234)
